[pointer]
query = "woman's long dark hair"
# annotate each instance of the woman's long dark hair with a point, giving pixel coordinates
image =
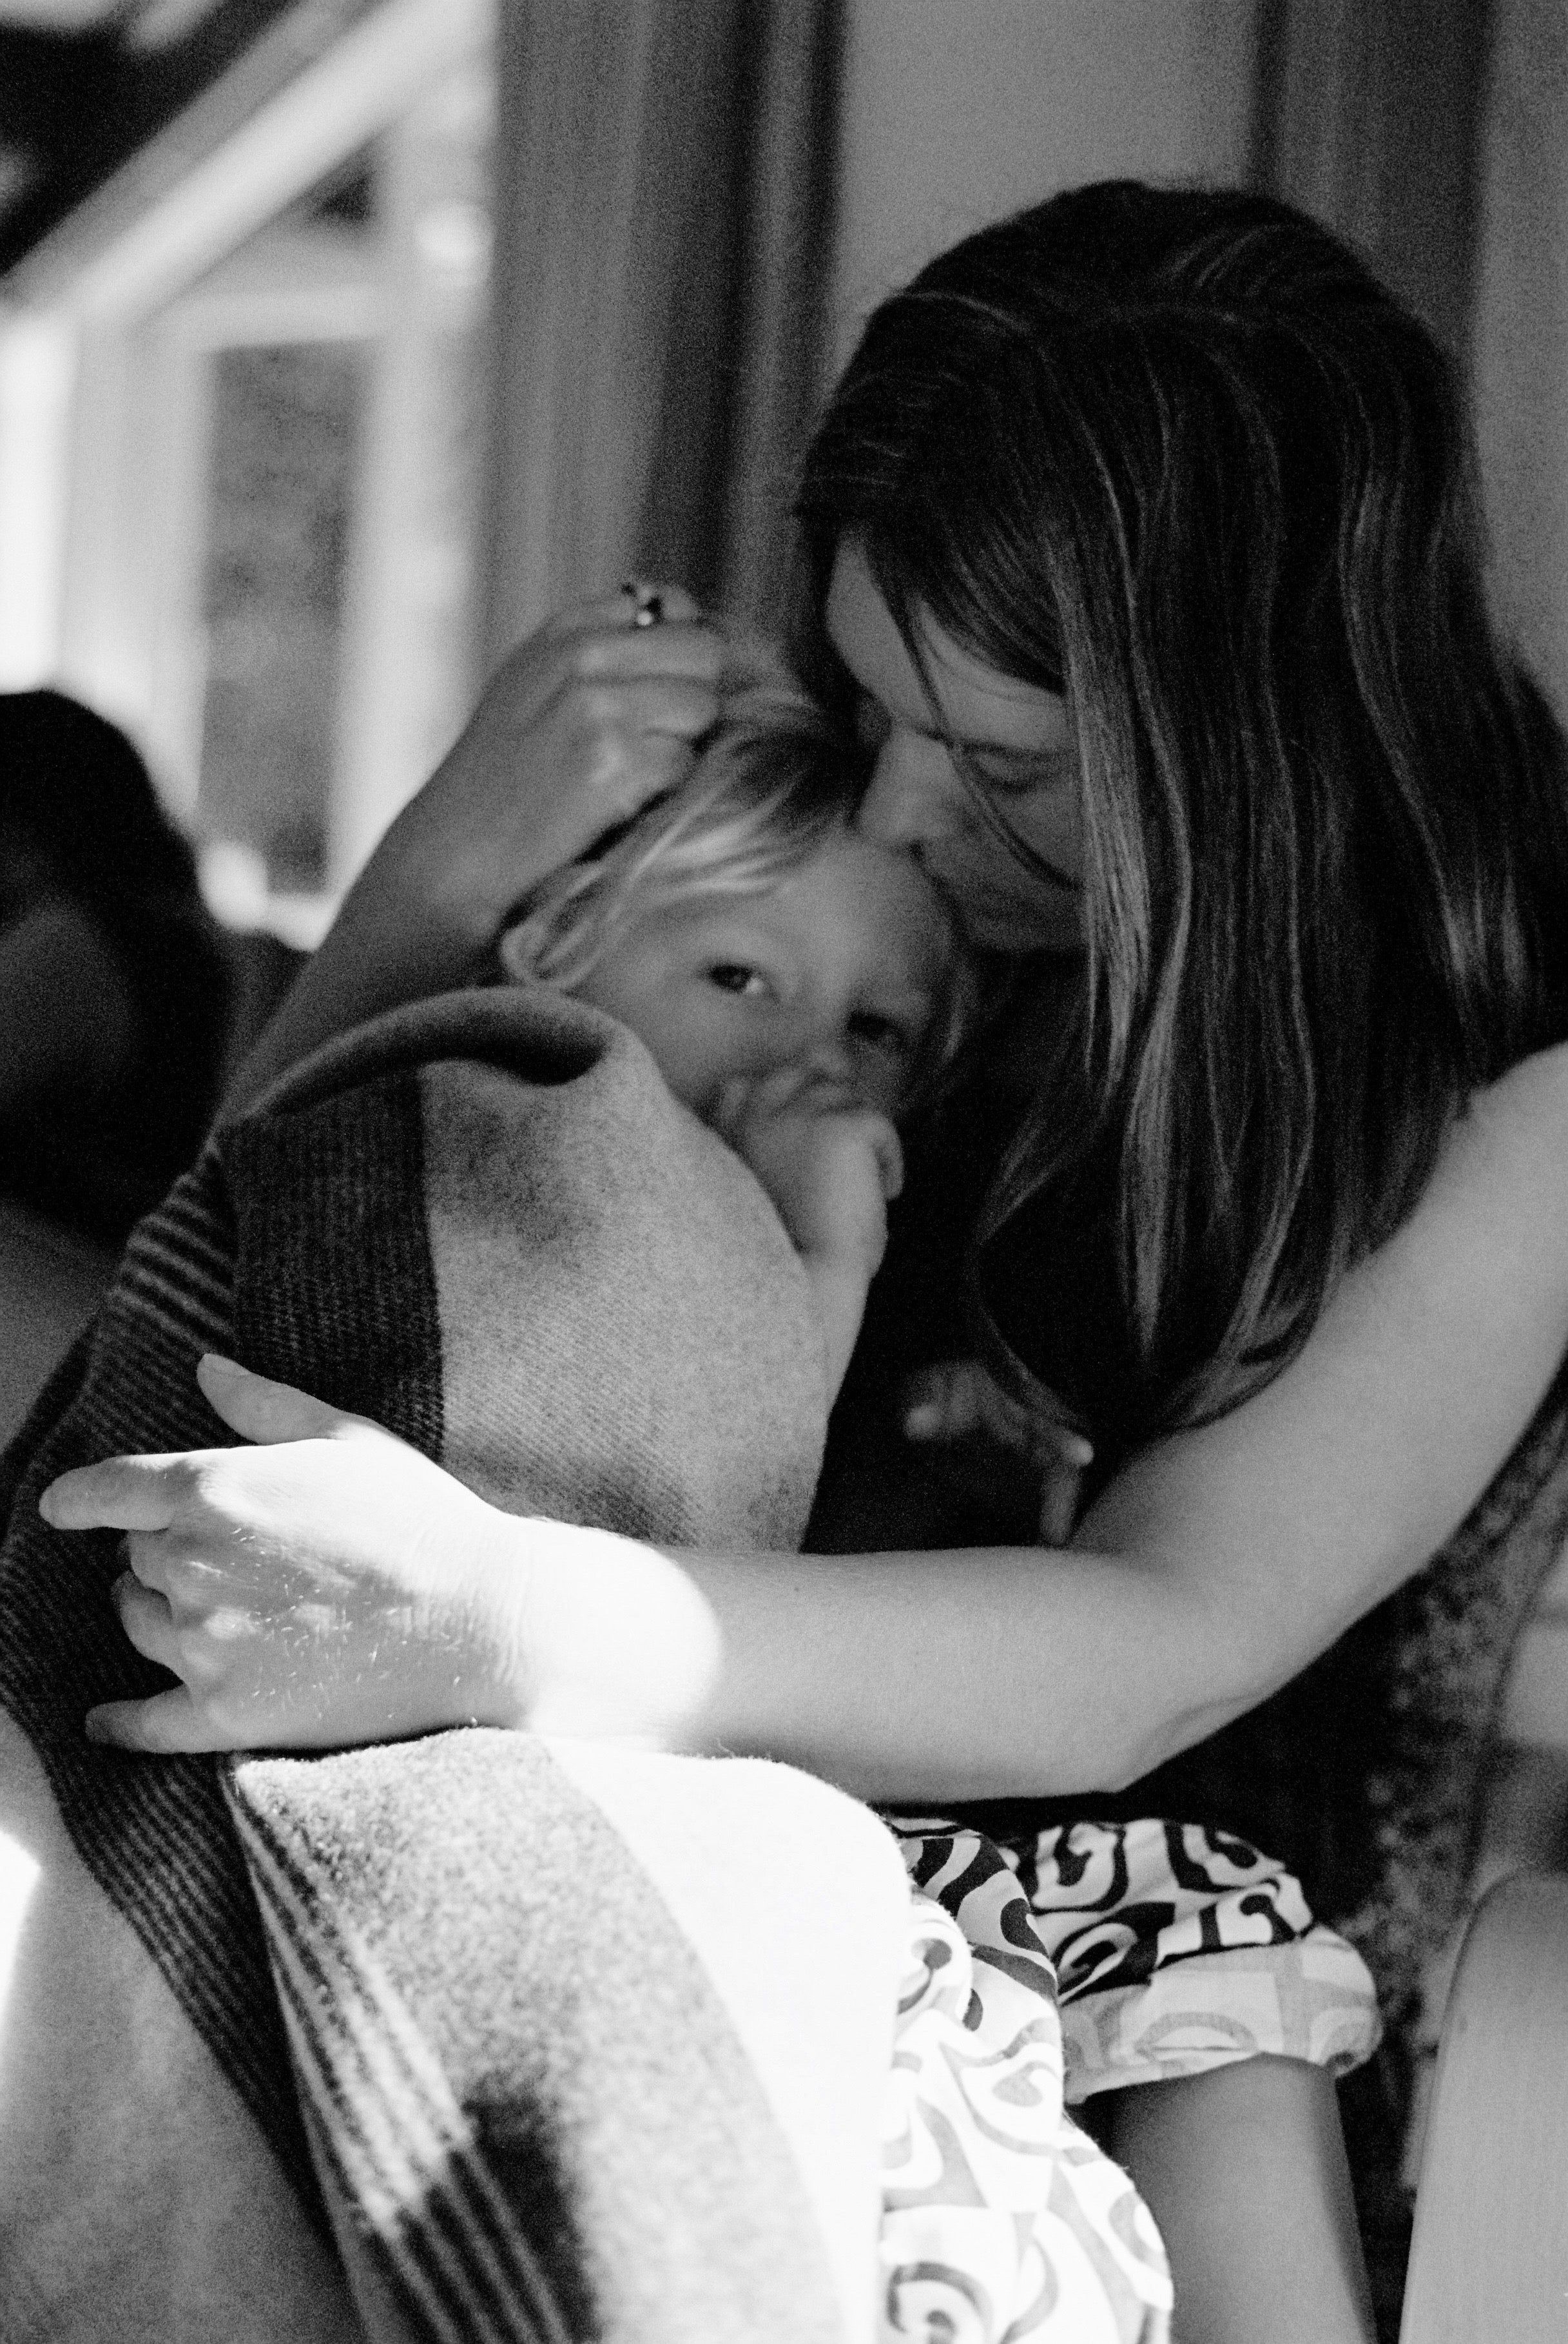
(1180, 451)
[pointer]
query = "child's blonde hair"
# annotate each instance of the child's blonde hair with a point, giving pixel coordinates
(773, 782)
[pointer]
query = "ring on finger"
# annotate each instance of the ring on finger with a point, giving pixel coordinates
(647, 603)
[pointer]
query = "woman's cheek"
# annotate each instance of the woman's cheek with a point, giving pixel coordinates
(1005, 906)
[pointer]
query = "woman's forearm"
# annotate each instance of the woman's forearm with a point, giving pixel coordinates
(929, 1676)
(398, 937)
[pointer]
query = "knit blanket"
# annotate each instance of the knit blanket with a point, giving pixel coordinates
(557, 2041)
(485, 1222)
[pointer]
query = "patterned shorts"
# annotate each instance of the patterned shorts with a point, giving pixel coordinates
(1097, 1956)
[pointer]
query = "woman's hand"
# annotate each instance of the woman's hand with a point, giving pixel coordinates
(959, 1405)
(330, 1585)
(578, 729)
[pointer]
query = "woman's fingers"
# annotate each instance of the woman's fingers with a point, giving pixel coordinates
(599, 645)
(123, 1494)
(264, 1411)
(167, 1723)
(677, 608)
(148, 1623)
(675, 706)
(153, 1493)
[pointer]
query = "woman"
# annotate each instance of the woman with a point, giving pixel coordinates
(1144, 553)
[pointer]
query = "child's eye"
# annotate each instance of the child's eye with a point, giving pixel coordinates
(881, 1033)
(738, 976)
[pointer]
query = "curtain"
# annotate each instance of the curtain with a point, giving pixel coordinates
(665, 214)
(1521, 345)
(1369, 115)
(1434, 134)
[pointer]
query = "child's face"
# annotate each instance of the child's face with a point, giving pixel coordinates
(836, 974)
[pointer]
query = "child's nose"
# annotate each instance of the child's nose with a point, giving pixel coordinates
(831, 1070)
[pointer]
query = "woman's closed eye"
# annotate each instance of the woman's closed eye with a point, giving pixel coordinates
(1023, 773)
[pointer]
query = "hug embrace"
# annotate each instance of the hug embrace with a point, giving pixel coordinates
(1099, 1029)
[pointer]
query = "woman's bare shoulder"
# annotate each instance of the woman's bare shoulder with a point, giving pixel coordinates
(1531, 1098)
(1503, 1181)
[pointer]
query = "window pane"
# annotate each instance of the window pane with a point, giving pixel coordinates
(285, 434)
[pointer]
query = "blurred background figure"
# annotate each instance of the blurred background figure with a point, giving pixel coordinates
(114, 986)
(115, 994)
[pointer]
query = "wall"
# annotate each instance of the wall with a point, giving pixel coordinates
(1520, 346)
(955, 111)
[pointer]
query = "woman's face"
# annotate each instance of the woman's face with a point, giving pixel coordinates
(1019, 741)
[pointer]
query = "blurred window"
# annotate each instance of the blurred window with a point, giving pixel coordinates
(241, 399)
(335, 621)
(286, 434)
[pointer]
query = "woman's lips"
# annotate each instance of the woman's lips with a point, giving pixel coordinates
(1019, 917)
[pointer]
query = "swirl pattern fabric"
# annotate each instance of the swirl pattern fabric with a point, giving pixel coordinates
(1102, 1956)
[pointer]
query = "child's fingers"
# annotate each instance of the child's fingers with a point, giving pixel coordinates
(889, 1153)
(1060, 1504)
(167, 1723)
(955, 1399)
(952, 1399)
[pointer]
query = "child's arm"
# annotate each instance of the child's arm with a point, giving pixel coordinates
(831, 1173)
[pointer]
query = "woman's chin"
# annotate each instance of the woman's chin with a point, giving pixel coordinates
(997, 921)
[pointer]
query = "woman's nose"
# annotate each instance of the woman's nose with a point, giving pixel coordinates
(911, 793)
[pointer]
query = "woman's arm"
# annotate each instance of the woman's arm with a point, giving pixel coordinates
(1217, 1564)
(580, 726)
(1208, 1573)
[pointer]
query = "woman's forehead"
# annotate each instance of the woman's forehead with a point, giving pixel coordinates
(976, 704)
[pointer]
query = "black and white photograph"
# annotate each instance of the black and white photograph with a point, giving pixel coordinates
(783, 1171)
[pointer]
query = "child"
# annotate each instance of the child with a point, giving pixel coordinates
(799, 987)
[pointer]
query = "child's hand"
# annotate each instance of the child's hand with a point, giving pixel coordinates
(957, 1405)
(339, 1588)
(831, 1171)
